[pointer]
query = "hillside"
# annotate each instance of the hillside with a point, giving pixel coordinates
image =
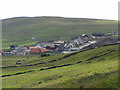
(95, 68)
(20, 30)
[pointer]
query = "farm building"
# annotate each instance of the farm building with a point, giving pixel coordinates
(34, 50)
(37, 50)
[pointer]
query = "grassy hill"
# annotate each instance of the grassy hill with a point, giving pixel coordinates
(20, 30)
(95, 68)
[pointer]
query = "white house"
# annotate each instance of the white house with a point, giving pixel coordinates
(41, 45)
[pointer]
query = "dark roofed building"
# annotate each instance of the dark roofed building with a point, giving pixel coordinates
(12, 47)
(61, 47)
(97, 34)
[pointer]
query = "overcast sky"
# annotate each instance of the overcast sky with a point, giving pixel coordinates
(99, 9)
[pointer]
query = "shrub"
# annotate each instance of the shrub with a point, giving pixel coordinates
(45, 54)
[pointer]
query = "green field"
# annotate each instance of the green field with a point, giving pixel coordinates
(95, 68)
(20, 30)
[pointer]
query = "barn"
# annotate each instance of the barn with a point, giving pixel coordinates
(34, 50)
(37, 50)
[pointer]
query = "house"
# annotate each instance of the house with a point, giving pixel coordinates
(7, 53)
(41, 45)
(12, 47)
(85, 35)
(1, 53)
(21, 50)
(28, 46)
(51, 47)
(115, 33)
(59, 42)
(74, 49)
(13, 52)
(78, 41)
(64, 52)
(97, 35)
(61, 47)
(71, 44)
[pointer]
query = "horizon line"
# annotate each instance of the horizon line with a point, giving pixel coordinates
(56, 17)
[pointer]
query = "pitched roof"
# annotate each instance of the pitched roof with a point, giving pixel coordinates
(97, 34)
(44, 50)
(59, 41)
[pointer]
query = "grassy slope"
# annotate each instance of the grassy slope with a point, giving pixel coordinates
(84, 75)
(20, 30)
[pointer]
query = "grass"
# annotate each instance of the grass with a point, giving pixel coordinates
(83, 56)
(101, 72)
(20, 30)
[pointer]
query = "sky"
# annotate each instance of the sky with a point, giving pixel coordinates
(97, 9)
